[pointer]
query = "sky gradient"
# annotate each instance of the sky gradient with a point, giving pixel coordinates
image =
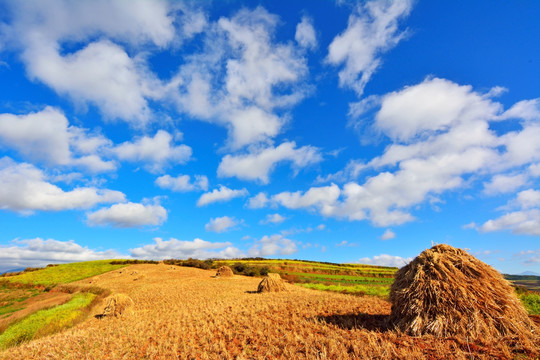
(334, 131)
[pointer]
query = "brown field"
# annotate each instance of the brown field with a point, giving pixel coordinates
(187, 313)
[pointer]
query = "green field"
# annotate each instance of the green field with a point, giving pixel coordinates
(355, 279)
(64, 273)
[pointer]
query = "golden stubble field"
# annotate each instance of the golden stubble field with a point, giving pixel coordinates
(186, 313)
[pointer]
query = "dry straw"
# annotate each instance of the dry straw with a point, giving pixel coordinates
(448, 292)
(117, 304)
(224, 271)
(271, 283)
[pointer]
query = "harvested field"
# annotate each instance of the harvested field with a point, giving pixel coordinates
(185, 313)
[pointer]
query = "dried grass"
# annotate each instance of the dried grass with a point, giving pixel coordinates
(271, 283)
(224, 271)
(186, 314)
(447, 292)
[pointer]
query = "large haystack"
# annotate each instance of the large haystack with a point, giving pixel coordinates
(224, 271)
(447, 292)
(271, 283)
(116, 305)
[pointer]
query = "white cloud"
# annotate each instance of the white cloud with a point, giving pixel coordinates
(431, 106)
(528, 110)
(101, 72)
(258, 164)
(305, 33)
(128, 215)
(273, 245)
(503, 184)
(178, 249)
(157, 152)
(223, 194)
(273, 219)
(242, 79)
(435, 149)
(529, 257)
(24, 188)
(182, 183)
(221, 224)
(320, 197)
(388, 234)
(386, 260)
(46, 136)
(371, 31)
(525, 221)
(39, 253)
(258, 201)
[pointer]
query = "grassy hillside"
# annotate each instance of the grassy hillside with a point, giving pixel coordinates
(28, 307)
(63, 273)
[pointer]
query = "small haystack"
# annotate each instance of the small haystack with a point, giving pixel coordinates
(448, 292)
(271, 283)
(117, 304)
(224, 271)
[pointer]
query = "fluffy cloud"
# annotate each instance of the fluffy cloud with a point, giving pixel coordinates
(182, 183)
(178, 249)
(242, 79)
(372, 30)
(39, 252)
(431, 106)
(221, 224)
(320, 197)
(101, 72)
(386, 260)
(223, 194)
(273, 245)
(438, 145)
(388, 234)
(25, 188)
(305, 33)
(273, 219)
(526, 222)
(258, 201)
(46, 136)
(258, 164)
(157, 152)
(502, 184)
(128, 215)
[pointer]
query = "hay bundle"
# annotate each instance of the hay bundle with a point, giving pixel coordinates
(271, 283)
(447, 292)
(224, 271)
(117, 304)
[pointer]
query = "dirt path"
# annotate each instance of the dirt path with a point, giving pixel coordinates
(185, 313)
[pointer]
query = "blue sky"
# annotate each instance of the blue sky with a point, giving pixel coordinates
(336, 131)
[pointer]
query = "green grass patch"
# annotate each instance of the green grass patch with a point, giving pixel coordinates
(380, 291)
(64, 273)
(48, 321)
(531, 301)
(11, 295)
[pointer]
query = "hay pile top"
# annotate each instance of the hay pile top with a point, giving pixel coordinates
(116, 305)
(224, 271)
(271, 283)
(448, 292)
